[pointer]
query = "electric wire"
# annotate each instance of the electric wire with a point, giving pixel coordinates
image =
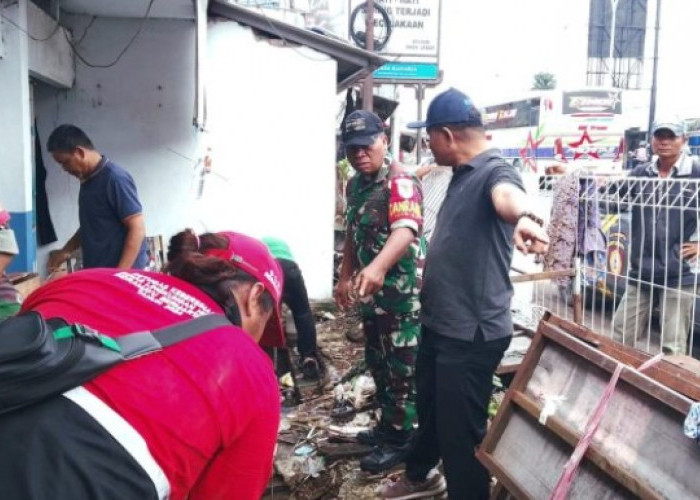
(73, 45)
(123, 51)
(85, 32)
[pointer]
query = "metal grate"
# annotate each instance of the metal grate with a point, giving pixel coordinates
(627, 236)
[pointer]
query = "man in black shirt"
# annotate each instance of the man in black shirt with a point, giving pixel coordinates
(466, 322)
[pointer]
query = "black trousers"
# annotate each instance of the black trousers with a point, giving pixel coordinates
(454, 379)
(297, 299)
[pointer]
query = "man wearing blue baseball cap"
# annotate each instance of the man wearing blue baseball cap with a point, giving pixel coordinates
(664, 219)
(465, 301)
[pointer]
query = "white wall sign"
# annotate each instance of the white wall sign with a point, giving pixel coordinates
(415, 28)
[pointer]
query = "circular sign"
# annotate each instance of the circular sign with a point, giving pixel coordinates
(616, 257)
(382, 26)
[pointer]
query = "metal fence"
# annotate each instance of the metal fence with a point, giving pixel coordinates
(623, 248)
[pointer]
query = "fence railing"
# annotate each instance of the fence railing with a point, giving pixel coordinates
(631, 246)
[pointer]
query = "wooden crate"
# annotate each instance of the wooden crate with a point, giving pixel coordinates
(639, 449)
(25, 283)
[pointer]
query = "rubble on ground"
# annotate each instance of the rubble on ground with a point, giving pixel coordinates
(317, 456)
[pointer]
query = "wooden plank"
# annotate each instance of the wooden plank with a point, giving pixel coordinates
(534, 458)
(639, 432)
(638, 450)
(569, 434)
(608, 363)
(17, 278)
(502, 474)
(519, 382)
(337, 451)
(499, 492)
(685, 362)
(667, 372)
(544, 275)
(25, 283)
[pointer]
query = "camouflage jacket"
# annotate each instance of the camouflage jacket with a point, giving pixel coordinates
(392, 200)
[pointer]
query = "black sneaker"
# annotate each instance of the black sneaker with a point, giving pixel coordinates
(384, 457)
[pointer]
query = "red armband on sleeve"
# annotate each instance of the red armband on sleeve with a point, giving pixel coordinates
(405, 204)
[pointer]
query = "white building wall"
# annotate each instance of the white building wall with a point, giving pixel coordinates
(15, 114)
(271, 121)
(271, 129)
(16, 133)
(138, 113)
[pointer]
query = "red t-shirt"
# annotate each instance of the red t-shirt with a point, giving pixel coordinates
(208, 407)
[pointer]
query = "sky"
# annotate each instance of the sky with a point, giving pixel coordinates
(492, 49)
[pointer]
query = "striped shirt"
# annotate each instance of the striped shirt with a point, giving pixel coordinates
(434, 188)
(8, 245)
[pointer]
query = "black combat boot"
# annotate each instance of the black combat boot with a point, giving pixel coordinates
(391, 448)
(384, 457)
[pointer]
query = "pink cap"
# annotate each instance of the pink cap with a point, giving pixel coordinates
(4, 217)
(253, 257)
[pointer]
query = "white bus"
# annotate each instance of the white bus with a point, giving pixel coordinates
(585, 126)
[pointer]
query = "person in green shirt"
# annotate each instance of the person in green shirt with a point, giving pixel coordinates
(295, 296)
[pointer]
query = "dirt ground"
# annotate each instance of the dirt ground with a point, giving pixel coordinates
(311, 461)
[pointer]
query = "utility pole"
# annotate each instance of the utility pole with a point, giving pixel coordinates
(395, 132)
(652, 97)
(368, 85)
(420, 95)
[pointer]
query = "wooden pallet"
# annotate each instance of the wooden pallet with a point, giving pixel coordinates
(639, 449)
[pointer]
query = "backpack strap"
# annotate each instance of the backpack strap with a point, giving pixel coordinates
(138, 344)
(182, 331)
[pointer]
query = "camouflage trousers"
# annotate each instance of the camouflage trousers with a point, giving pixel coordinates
(391, 346)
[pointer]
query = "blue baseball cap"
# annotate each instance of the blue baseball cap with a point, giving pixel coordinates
(451, 106)
(362, 128)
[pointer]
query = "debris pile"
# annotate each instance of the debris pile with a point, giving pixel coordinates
(317, 455)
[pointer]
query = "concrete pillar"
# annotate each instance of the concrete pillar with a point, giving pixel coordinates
(16, 172)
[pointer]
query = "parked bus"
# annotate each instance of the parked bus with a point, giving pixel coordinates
(553, 126)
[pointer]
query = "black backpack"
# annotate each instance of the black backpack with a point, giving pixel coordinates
(42, 358)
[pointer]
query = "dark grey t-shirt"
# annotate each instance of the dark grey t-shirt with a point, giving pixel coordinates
(466, 283)
(107, 198)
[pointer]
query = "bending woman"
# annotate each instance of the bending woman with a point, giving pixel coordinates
(197, 420)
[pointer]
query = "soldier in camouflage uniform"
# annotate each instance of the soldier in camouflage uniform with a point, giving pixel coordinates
(384, 220)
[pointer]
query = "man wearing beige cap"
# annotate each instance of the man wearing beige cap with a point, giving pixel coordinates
(663, 200)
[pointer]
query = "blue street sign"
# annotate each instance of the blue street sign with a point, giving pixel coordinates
(407, 71)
